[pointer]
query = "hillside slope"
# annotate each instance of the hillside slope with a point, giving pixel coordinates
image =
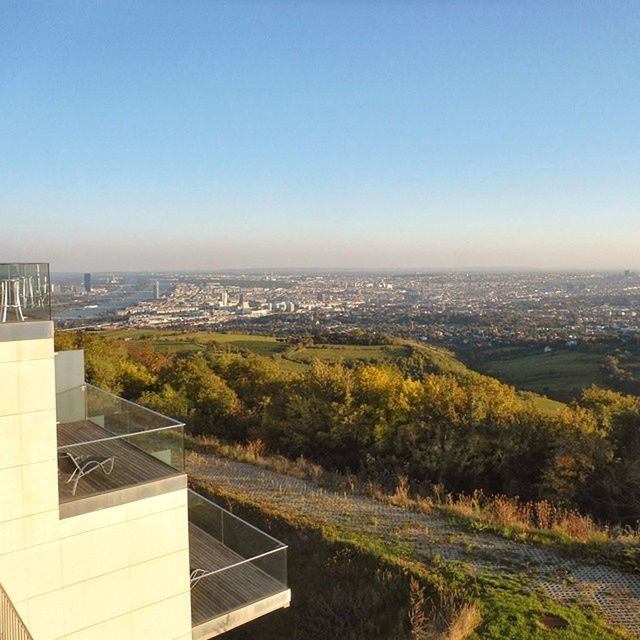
(516, 584)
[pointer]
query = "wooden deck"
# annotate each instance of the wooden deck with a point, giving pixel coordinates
(213, 597)
(227, 591)
(132, 465)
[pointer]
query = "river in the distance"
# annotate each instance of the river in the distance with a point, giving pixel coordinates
(125, 297)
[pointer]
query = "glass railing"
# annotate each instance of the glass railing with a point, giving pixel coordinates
(116, 415)
(25, 291)
(233, 564)
(107, 443)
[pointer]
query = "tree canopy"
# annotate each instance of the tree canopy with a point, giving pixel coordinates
(462, 430)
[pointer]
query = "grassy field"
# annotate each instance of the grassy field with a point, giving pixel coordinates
(166, 339)
(350, 585)
(177, 346)
(542, 403)
(562, 373)
(338, 353)
(296, 359)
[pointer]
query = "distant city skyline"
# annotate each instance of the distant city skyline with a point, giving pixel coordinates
(338, 271)
(394, 135)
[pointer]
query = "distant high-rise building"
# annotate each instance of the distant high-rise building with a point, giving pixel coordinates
(242, 304)
(157, 289)
(87, 283)
(224, 301)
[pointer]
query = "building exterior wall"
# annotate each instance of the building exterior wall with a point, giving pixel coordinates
(69, 368)
(121, 572)
(69, 374)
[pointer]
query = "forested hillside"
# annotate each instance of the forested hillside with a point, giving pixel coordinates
(419, 414)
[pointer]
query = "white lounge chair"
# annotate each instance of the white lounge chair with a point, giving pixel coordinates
(80, 466)
(196, 576)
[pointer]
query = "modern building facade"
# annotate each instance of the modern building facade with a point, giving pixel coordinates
(100, 536)
(87, 283)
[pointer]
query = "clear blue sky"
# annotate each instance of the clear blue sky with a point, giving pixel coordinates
(150, 135)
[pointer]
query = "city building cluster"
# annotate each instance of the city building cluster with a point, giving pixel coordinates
(448, 308)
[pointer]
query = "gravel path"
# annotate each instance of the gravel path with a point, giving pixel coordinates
(614, 592)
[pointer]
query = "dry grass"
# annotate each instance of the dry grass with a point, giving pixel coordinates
(418, 620)
(464, 622)
(498, 510)
(536, 515)
(445, 619)
(401, 497)
(254, 453)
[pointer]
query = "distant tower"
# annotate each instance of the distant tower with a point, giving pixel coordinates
(241, 301)
(157, 289)
(87, 283)
(224, 302)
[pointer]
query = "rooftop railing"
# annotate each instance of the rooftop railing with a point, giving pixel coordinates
(25, 291)
(233, 564)
(107, 443)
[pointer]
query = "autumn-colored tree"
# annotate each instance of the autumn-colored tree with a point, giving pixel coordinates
(615, 492)
(460, 429)
(212, 402)
(169, 402)
(254, 379)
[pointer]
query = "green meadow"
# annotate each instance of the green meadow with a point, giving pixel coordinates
(561, 373)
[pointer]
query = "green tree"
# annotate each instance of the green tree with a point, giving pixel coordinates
(213, 403)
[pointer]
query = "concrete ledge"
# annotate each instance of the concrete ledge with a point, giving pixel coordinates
(117, 497)
(30, 330)
(229, 621)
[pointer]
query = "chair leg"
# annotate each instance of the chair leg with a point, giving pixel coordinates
(75, 484)
(3, 300)
(109, 462)
(18, 302)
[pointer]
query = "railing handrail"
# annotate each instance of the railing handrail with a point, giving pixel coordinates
(124, 435)
(12, 626)
(284, 547)
(175, 423)
(233, 515)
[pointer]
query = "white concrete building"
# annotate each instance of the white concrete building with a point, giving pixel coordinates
(99, 535)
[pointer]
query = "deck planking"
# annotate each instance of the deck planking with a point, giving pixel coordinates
(229, 590)
(133, 466)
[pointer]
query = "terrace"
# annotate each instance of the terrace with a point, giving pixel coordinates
(238, 573)
(142, 451)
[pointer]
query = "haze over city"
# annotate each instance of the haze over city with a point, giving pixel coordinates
(274, 134)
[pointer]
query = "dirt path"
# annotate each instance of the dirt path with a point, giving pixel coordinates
(614, 592)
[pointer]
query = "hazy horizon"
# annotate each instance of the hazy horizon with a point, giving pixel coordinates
(267, 271)
(405, 135)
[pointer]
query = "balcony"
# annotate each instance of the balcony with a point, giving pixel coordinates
(238, 573)
(112, 451)
(25, 292)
